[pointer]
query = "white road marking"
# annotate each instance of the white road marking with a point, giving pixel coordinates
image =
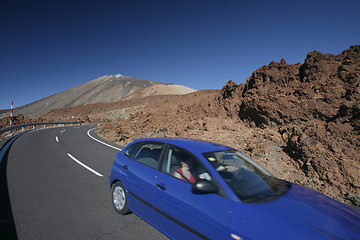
(83, 165)
(57, 139)
(88, 133)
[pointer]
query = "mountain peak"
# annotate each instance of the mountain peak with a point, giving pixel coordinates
(118, 75)
(108, 88)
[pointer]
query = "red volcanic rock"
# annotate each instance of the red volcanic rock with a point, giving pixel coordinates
(315, 106)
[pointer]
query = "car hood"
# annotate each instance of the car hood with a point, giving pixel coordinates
(302, 213)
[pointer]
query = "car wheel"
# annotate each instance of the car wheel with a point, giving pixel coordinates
(119, 198)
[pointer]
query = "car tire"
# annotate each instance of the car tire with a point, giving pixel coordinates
(119, 198)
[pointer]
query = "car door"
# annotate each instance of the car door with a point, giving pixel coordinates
(141, 170)
(188, 214)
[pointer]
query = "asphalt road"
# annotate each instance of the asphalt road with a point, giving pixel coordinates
(58, 188)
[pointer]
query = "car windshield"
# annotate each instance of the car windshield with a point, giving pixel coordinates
(250, 182)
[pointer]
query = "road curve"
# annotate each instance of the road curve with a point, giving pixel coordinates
(58, 188)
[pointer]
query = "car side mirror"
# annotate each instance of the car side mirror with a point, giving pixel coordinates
(204, 186)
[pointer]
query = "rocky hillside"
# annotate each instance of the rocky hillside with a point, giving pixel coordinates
(159, 89)
(135, 102)
(104, 89)
(315, 107)
(300, 121)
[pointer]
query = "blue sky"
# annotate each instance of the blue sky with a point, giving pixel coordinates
(50, 46)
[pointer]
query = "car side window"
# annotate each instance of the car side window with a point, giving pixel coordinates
(184, 165)
(147, 153)
(132, 150)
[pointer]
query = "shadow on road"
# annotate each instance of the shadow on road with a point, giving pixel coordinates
(7, 225)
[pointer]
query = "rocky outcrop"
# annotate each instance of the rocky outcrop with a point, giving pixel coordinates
(325, 87)
(315, 107)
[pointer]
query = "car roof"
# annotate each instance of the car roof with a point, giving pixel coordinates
(193, 145)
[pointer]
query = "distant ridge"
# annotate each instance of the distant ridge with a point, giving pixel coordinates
(2, 111)
(159, 89)
(110, 88)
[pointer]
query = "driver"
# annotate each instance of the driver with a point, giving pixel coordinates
(185, 171)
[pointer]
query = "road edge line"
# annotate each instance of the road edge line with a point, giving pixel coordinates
(88, 133)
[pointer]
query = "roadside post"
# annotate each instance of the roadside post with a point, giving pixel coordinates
(11, 116)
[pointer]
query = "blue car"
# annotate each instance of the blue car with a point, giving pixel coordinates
(191, 189)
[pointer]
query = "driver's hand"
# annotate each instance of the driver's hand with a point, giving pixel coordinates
(221, 168)
(231, 168)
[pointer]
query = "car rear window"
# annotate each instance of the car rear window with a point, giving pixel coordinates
(147, 153)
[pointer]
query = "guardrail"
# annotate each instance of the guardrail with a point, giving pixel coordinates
(22, 126)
